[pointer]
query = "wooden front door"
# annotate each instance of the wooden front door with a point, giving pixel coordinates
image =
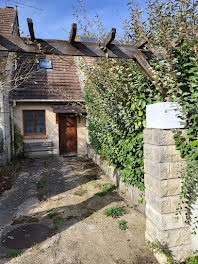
(68, 134)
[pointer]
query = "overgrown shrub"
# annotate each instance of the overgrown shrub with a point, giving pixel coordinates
(116, 96)
(18, 140)
(117, 91)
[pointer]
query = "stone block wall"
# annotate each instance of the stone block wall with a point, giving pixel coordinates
(162, 167)
(133, 193)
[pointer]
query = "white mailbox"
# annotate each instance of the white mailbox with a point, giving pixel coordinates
(164, 115)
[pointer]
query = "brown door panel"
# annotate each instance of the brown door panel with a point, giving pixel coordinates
(71, 140)
(67, 134)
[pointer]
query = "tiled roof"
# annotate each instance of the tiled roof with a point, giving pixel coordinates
(61, 83)
(8, 17)
(69, 108)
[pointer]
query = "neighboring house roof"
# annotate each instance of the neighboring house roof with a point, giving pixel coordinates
(8, 17)
(61, 83)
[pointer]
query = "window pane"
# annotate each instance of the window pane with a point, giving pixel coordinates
(45, 64)
(29, 122)
(40, 120)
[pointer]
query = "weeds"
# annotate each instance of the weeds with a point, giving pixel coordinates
(58, 220)
(192, 260)
(92, 177)
(120, 191)
(114, 212)
(55, 217)
(52, 214)
(41, 196)
(54, 229)
(45, 165)
(122, 224)
(41, 182)
(40, 185)
(34, 220)
(159, 247)
(14, 253)
(107, 187)
(80, 191)
(101, 193)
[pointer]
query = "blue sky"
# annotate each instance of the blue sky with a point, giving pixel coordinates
(51, 16)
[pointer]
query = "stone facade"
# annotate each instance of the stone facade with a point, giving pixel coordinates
(163, 167)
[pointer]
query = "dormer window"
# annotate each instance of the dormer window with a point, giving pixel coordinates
(45, 64)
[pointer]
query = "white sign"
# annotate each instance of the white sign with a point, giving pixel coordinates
(164, 115)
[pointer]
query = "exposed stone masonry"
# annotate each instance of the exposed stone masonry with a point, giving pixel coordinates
(163, 167)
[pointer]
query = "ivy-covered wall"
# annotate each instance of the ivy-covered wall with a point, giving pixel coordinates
(116, 95)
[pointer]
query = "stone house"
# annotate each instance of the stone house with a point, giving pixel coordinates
(46, 103)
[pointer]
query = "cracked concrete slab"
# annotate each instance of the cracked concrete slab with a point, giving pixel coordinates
(62, 194)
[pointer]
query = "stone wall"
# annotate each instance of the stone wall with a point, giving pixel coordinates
(163, 166)
(133, 193)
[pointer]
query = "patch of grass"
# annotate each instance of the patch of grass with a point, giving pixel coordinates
(52, 214)
(14, 253)
(45, 164)
(122, 224)
(120, 191)
(159, 247)
(93, 181)
(91, 177)
(80, 191)
(41, 183)
(58, 220)
(101, 193)
(192, 260)
(88, 166)
(40, 186)
(130, 205)
(107, 187)
(114, 212)
(34, 220)
(54, 229)
(41, 196)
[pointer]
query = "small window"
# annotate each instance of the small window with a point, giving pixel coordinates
(34, 122)
(45, 64)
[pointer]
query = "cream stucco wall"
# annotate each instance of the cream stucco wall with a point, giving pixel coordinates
(81, 136)
(52, 128)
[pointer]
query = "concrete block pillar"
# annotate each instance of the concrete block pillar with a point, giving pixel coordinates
(163, 166)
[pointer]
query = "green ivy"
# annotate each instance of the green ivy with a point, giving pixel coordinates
(117, 92)
(188, 143)
(116, 95)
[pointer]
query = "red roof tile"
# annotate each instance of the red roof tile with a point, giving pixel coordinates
(61, 83)
(8, 18)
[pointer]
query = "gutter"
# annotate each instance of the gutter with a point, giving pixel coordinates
(45, 100)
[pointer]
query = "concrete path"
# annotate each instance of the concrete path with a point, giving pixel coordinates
(66, 195)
